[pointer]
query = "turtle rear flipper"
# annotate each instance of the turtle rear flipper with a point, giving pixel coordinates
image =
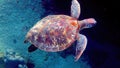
(25, 41)
(32, 48)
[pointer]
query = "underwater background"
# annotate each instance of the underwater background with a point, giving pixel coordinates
(18, 16)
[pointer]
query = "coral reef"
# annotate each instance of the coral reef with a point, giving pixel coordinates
(2, 65)
(13, 60)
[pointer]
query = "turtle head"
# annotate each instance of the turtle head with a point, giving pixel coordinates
(87, 23)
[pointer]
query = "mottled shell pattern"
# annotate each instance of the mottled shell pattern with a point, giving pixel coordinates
(53, 33)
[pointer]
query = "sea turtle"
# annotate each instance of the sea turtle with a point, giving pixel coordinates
(56, 33)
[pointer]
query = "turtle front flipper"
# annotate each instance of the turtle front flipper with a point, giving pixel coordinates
(32, 48)
(81, 45)
(75, 9)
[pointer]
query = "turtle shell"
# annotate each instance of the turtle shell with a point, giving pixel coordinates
(53, 33)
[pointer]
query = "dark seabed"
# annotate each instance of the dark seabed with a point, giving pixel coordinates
(18, 16)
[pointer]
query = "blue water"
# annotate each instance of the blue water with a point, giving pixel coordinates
(16, 18)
